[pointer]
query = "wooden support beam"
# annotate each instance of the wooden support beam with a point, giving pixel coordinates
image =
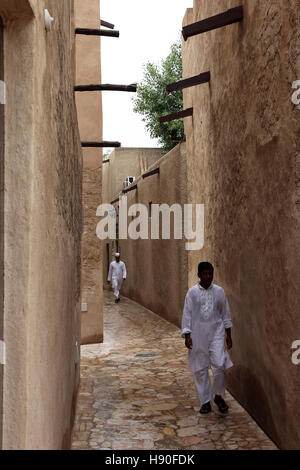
(116, 200)
(188, 82)
(132, 188)
(105, 161)
(150, 173)
(174, 116)
(106, 87)
(231, 16)
(107, 25)
(97, 32)
(100, 144)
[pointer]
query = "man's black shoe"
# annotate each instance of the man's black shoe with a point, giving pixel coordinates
(205, 409)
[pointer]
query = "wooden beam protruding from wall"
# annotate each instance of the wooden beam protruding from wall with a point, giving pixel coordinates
(150, 173)
(97, 32)
(107, 25)
(116, 200)
(100, 144)
(132, 188)
(174, 116)
(188, 82)
(106, 87)
(234, 15)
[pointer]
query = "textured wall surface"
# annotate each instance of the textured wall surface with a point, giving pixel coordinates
(124, 162)
(243, 163)
(157, 269)
(89, 107)
(42, 226)
(1, 221)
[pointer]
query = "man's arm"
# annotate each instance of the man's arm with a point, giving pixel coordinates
(186, 322)
(228, 338)
(227, 321)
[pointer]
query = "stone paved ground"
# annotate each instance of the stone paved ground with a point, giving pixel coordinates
(137, 392)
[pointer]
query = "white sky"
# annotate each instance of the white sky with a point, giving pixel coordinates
(147, 28)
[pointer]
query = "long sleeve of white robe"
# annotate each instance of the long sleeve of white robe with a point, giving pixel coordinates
(226, 313)
(186, 324)
(206, 315)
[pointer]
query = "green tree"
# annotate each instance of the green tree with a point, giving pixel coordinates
(152, 100)
(106, 155)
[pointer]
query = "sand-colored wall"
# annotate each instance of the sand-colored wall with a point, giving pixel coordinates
(1, 221)
(42, 226)
(157, 269)
(89, 107)
(124, 162)
(243, 164)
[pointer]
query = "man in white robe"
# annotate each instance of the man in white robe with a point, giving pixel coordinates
(116, 275)
(206, 322)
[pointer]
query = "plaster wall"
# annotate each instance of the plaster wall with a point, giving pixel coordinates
(243, 164)
(124, 162)
(89, 107)
(1, 221)
(157, 269)
(42, 226)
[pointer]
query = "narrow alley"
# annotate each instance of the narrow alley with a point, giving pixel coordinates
(147, 147)
(137, 393)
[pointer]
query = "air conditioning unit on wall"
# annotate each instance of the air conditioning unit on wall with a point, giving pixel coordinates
(129, 180)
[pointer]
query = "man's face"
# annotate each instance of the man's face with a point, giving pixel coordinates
(117, 259)
(206, 277)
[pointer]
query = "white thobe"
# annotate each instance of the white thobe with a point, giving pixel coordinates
(117, 272)
(206, 315)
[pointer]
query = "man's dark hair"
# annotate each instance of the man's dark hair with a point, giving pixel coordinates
(205, 266)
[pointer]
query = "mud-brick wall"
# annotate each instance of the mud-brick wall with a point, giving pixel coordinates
(42, 226)
(89, 106)
(243, 156)
(157, 269)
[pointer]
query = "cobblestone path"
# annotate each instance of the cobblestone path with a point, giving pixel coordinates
(137, 393)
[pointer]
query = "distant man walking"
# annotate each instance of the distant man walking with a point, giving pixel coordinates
(206, 322)
(117, 274)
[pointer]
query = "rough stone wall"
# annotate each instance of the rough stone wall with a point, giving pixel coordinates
(89, 106)
(157, 269)
(42, 226)
(243, 164)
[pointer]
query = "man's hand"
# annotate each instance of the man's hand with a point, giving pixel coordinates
(229, 342)
(188, 341)
(228, 338)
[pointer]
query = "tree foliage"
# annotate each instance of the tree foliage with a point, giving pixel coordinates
(106, 155)
(152, 100)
